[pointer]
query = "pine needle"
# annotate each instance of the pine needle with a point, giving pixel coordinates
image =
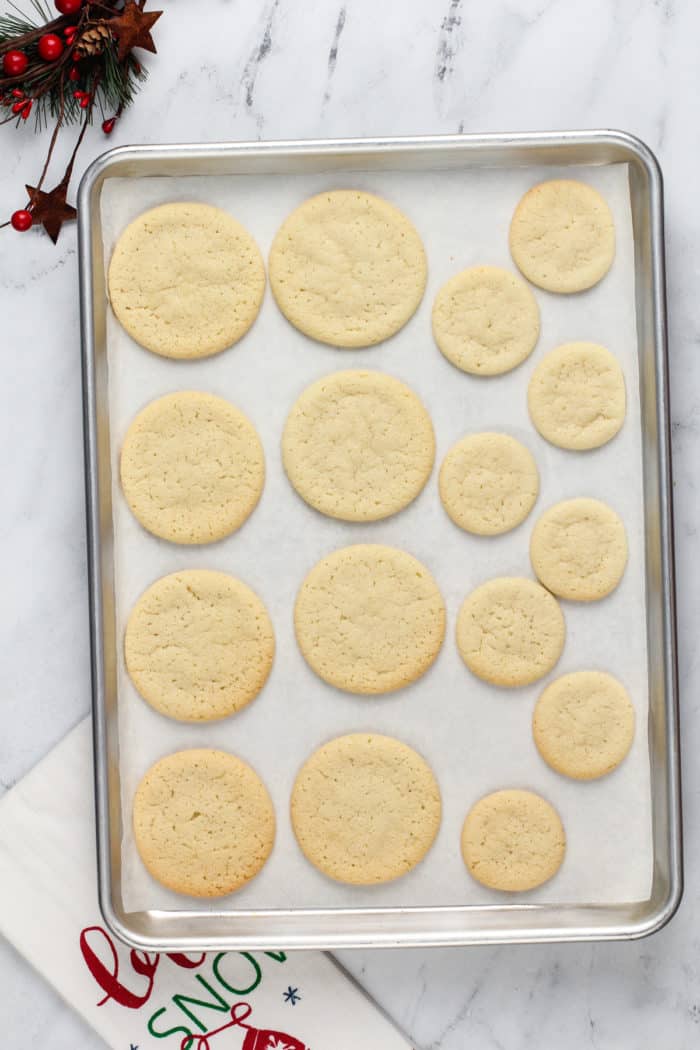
(24, 17)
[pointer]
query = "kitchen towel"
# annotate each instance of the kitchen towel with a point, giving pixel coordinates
(145, 1001)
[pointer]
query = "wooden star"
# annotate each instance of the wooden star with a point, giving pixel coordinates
(132, 28)
(50, 209)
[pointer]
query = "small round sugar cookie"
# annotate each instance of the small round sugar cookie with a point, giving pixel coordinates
(186, 280)
(513, 840)
(578, 549)
(365, 808)
(199, 645)
(358, 446)
(488, 483)
(192, 467)
(510, 631)
(562, 236)
(347, 268)
(369, 619)
(583, 724)
(576, 396)
(486, 320)
(203, 822)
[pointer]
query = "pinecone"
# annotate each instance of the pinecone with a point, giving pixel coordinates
(94, 40)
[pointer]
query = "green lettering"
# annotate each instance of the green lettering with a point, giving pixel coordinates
(170, 1031)
(257, 973)
(277, 956)
(181, 1000)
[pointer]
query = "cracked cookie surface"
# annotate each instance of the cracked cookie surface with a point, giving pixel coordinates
(358, 446)
(488, 483)
(192, 467)
(510, 631)
(562, 236)
(199, 645)
(347, 268)
(186, 280)
(369, 619)
(203, 822)
(486, 320)
(583, 724)
(578, 549)
(365, 808)
(576, 396)
(513, 840)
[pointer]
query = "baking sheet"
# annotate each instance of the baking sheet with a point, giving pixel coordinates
(477, 738)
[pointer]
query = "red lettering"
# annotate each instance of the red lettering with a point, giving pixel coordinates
(108, 976)
(187, 964)
(143, 964)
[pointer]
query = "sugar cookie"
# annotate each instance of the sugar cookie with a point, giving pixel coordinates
(198, 645)
(513, 840)
(358, 445)
(203, 822)
(192, 467)
(578, 549)
(186, 280)
(488, 483)
(369, 619)
(576, 396)
(486, 320)
(347, 268)
(583, 724)
(510, 631)
(365, 808)
(562, 236)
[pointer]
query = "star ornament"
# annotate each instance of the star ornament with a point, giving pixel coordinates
(50, 209)
(132, 28)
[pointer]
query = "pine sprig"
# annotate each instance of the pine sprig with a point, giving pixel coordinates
(43, 11)
(121, 80)
(14, 25)
(21, 21)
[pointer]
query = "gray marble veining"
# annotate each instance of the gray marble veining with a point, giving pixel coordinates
(238, 69)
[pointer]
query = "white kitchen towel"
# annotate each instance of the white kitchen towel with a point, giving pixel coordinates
(139, 1001)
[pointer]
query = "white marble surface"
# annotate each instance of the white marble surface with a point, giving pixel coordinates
(236, 69)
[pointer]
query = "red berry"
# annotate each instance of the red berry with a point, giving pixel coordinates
(23, 108)
(68, 7)
(16, 93)
(85, 102)
(14, 63)
(50, 47)
(21, 220)
(74, 73)
(108, 125)
(76, 56)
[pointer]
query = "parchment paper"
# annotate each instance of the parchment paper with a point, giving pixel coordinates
(477, 738)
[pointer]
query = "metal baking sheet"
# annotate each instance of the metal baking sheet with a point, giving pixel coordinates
(421, 912)
(479, 737)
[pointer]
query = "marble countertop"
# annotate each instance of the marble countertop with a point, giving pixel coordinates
(267, 69)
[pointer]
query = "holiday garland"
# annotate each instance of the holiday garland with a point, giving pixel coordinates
(60, 70)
